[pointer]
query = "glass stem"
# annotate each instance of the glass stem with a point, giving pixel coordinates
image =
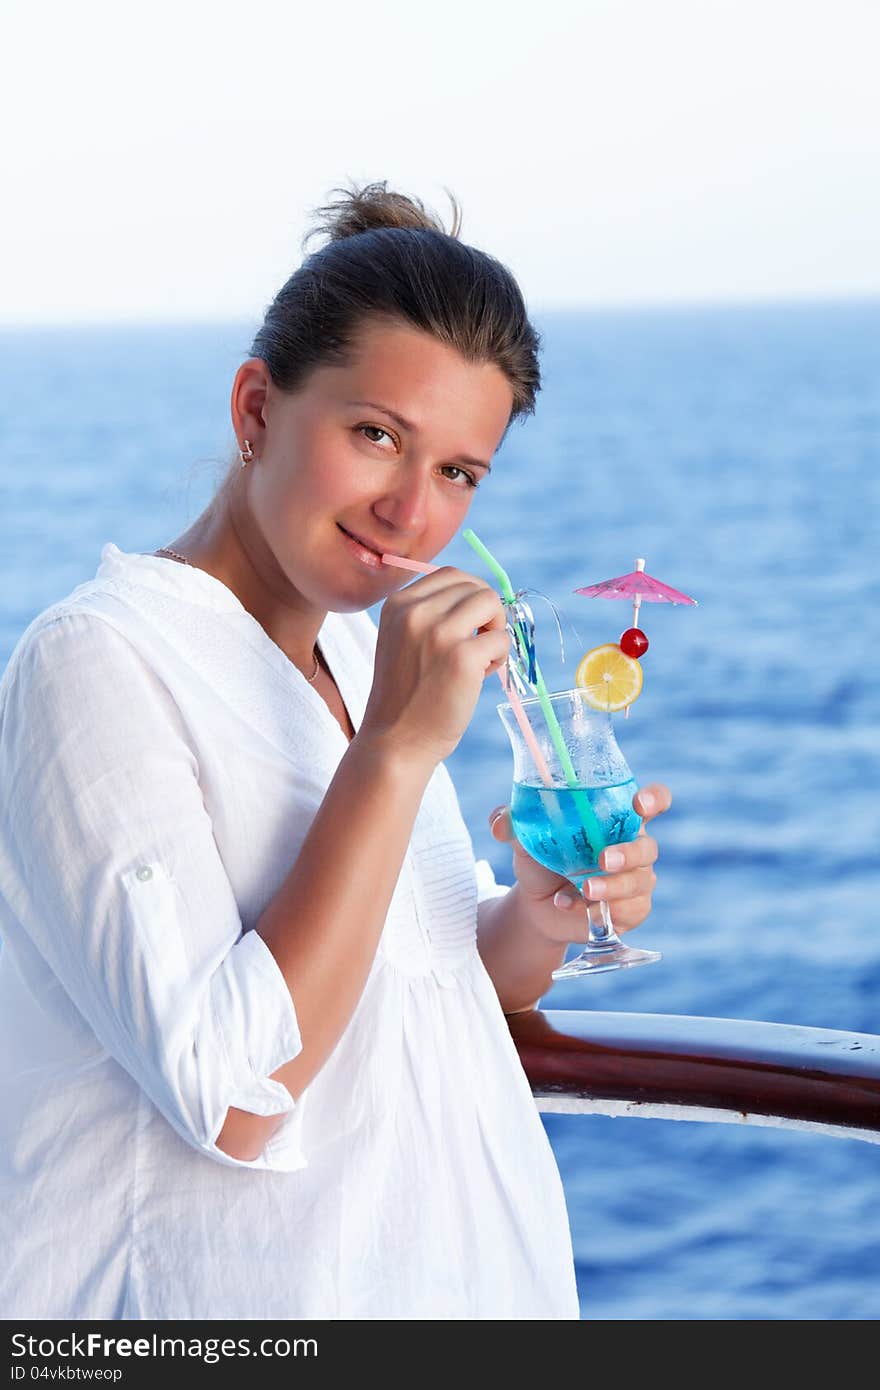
(602, 933)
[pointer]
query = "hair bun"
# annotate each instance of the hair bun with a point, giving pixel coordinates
(373, 206)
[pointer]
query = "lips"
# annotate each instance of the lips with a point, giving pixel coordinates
(361, 540)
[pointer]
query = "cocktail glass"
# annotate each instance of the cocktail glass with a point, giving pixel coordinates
(566, 825)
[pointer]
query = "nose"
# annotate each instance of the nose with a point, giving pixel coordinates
(404, 503)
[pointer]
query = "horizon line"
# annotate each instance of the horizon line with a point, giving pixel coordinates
(535, 308)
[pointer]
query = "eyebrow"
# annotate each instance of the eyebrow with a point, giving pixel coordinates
(413, 429)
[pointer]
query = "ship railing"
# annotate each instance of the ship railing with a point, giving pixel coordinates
(677, 1067)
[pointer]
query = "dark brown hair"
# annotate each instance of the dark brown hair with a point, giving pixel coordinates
(386, 256)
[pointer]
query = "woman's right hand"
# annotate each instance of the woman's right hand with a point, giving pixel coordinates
(429, 666)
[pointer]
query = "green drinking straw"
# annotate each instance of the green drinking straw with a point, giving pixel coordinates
(589, 821)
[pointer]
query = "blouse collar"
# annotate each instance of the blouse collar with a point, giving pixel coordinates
(168, 577)
(188, 583)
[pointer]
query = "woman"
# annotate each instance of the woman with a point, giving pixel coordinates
(253, 985)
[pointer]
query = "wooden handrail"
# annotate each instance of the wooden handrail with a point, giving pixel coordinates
(813, 1075)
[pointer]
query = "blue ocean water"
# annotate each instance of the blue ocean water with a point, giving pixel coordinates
(736, 449)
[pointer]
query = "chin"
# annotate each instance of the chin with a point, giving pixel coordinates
(335, 602)
(340, 605)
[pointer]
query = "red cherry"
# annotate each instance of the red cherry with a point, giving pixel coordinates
(634, 643)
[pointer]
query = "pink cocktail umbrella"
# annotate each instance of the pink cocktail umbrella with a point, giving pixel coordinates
(639, 587)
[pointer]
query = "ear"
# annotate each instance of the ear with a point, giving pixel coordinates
(250, 391)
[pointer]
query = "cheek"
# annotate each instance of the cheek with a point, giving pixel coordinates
(342, 482)
(323, 481)
(448, 514)
(336, 478)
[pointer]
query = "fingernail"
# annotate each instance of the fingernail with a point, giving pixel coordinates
(564, 900)
(595, 888)
(613, 859)
(647, 801)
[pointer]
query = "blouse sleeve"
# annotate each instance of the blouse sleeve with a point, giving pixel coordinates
(487, 885)
(108, 860)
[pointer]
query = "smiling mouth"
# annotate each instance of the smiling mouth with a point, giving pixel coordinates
(359, 541)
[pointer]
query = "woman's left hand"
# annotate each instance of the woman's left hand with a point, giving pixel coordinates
(556, 908)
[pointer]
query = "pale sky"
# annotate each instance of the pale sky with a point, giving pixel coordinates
(159, 161)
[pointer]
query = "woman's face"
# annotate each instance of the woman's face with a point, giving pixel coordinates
(327, 465)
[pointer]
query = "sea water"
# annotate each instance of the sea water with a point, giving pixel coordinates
(549, 825)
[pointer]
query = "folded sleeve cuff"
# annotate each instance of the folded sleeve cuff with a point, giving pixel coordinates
(258, 1025)
(487, 885)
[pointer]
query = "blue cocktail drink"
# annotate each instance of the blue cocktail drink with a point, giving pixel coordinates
(547, 822)
(572, 797)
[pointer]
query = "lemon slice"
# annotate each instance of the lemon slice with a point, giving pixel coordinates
(609, 678)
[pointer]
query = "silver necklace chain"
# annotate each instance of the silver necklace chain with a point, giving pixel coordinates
(166, 550)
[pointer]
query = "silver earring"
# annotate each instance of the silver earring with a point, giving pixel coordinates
(246, 454)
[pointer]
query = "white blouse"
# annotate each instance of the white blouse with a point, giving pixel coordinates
(161, 761)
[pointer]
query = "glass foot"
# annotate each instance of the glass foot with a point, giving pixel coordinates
(595, 959)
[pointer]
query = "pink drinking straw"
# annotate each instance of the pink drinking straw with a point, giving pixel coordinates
(506, 686)
(400, 563)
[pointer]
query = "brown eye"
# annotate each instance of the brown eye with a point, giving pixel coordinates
(470, 480)
(377, 429)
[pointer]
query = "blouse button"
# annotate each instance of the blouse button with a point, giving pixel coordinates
(144, 872)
